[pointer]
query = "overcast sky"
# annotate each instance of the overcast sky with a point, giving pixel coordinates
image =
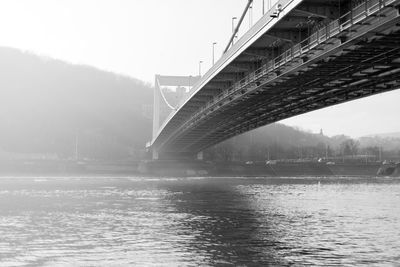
(141, 38)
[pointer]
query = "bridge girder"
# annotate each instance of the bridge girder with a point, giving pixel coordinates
(359, 60)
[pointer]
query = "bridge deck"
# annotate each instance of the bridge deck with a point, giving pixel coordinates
(283, 68)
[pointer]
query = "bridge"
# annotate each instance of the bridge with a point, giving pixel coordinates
(302, 55)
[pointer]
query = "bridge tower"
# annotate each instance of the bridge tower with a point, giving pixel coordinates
(163, 108)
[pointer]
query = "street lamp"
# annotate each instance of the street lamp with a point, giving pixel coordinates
(250, 15)
(263, 7)
(213, 52)
(233, 28)
(200, 67)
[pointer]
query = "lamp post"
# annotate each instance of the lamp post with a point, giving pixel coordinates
(250, 15)
(263, 7)
(233, 28)
(213, 52)
(200, 67)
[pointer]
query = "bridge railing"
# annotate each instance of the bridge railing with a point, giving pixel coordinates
(354, 16)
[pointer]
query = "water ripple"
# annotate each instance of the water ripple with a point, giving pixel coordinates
(192, 222)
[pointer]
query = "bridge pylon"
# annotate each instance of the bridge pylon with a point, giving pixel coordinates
(162, 108)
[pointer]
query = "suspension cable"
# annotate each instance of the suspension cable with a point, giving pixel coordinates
(238, 25)
(163, 96)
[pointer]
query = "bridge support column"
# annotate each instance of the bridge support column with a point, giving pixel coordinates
(156, 107)
(200, 155)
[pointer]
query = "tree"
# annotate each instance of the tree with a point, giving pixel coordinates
(349, 147)
(372, 151)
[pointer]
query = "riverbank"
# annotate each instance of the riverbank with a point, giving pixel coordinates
(167, 168)
(235, 169)
(67, 167)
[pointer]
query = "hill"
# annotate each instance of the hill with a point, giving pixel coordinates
(278, 141)
(47, 106)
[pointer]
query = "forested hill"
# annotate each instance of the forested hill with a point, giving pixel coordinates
(278, 141)
(47, 105)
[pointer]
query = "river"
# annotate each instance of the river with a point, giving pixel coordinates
(138, 221)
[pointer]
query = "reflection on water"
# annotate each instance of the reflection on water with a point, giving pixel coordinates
(207, 221)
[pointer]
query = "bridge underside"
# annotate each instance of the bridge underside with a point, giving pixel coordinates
(325, 83)
(355, 61)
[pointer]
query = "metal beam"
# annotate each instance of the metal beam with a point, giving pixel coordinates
(177, 80)
(309, 14)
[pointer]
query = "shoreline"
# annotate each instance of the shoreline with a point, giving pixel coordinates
(193, 169)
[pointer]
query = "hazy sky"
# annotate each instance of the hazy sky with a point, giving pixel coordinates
(142, 38)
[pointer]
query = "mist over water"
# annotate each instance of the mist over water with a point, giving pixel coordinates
(204, 221)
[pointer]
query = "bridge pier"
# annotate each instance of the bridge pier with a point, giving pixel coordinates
(155, 155)
(171, 156)
(175, 164)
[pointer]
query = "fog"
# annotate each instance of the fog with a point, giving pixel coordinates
(79, 187)
(47, 106)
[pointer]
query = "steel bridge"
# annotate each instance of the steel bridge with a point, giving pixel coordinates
(302, 55)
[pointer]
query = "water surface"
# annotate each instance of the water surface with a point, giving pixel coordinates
(103, 221)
